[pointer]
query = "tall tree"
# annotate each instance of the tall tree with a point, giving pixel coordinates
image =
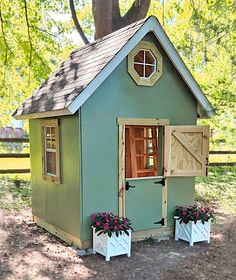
(107, 16)
(35, 35)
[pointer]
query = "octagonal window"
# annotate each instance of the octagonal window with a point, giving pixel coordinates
(145, 63)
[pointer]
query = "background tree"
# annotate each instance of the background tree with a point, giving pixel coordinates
(36, 35)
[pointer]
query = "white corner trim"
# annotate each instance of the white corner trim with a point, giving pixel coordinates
(150, 25)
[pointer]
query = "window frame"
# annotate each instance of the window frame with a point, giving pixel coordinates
(55, 178)
(144, 64)
(152, 79)
(135, 162)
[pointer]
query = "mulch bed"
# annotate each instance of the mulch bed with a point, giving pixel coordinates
(29, 252)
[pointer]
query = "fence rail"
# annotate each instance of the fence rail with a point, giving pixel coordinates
(27, 155)
(222, 152)
(222, 164)
(14, 155)
(15, 140)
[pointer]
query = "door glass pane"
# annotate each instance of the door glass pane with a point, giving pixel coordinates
(141, 152)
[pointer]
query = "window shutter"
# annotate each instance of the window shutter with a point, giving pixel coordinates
(186, 150)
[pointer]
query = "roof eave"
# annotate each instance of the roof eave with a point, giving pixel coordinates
(49, 114)
(205, 114)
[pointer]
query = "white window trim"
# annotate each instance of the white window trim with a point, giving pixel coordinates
(51, 150)
(55, 178)
(146, 64)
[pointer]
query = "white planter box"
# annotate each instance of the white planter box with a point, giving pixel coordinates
(192, 232)
(111, 246)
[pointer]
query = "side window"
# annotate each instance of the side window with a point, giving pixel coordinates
(50, 150)
(141, 151)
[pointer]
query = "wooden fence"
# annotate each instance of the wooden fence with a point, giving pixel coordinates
(27, 155)
(222, 163)
(14, 155)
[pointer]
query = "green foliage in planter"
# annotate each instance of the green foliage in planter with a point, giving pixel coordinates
(194, 213)
(108, 223)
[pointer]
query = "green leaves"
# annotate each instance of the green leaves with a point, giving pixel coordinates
(205, 36)
(108, 223)
(32, 43)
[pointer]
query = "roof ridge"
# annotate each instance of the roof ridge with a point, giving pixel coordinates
(127, 27)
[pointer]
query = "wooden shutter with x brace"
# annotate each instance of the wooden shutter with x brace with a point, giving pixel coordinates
(186, 150)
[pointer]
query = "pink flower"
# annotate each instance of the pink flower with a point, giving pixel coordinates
(115, 221)
(93, 217)
(120, 227)
(106, 226)
(104, 214)
(184, 213)
(197, 215)
(98, 224)
(116, 228)
(126, 222)
(111, 214)
(107, 220)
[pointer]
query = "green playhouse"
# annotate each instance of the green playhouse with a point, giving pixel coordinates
(114, 129)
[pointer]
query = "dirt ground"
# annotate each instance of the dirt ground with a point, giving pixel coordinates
(28, 252)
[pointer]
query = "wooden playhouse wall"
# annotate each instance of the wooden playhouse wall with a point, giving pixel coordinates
(119, 96)
(57, 206)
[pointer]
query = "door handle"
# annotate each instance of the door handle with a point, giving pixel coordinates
(127, 186)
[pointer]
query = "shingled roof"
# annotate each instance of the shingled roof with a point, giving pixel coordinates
(71, 84)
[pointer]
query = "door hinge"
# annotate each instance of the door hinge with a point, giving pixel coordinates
(161, 182)
(161, 222)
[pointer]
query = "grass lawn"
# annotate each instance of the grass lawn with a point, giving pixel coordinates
(218, 188)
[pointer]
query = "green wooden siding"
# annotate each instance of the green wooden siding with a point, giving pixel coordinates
(58, 204)
(89, 148)
(119, 96)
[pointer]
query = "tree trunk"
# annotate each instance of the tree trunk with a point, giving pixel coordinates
(107, 16)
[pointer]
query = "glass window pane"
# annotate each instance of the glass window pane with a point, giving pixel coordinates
(139, 57)
(48, 131)
(48, 144)
(53, 132)
(53, 143)
(51, 163)
(149, 58)
(139, 69)
(149, 70)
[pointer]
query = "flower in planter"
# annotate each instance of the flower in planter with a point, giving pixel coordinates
(109, 223)
(194, 213)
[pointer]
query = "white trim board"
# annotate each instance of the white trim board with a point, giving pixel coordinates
(150, 25)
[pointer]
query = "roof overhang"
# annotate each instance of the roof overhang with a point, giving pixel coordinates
(41, 115)
(205, 109)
